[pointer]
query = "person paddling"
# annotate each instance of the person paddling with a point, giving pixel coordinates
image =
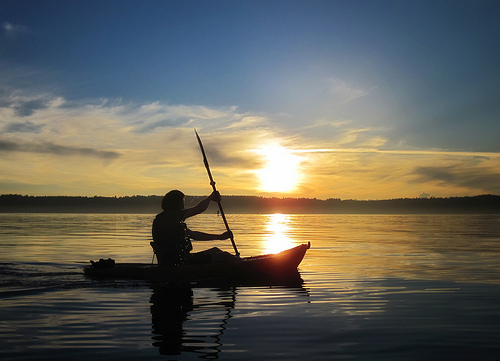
(172, 238)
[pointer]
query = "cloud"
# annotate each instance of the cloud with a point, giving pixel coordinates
(151, 145)
(23, 105)
(55, 149)
(351, 136)
(344, 91)
(155, 116)
(431, 174)
(146, 148)
(12, 30)
(325, 123)
(23, 127)
(475, 178)
(473, 157)
(248, 122)
(27, 108)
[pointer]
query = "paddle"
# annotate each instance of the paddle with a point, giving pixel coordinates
(212, 183)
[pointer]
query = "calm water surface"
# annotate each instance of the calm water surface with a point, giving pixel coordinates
(376, 287)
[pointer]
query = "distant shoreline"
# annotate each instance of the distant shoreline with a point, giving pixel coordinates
(481, 204)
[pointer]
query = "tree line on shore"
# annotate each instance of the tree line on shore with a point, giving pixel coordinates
(15, 203)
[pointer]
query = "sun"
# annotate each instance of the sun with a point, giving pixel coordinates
(280, 173)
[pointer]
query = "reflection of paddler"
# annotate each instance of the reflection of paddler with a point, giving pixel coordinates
(170, 307)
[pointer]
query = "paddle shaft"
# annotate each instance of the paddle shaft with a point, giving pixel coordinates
(212, 183)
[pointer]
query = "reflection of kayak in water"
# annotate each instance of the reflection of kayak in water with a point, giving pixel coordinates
(265, 267)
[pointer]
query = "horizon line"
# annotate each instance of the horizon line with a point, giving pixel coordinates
(255, 196)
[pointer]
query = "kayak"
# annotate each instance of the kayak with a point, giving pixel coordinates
(264, 267)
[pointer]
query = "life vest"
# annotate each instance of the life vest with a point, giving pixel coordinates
(171, 238)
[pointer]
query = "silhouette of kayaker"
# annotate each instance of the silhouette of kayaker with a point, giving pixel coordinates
(172, 238)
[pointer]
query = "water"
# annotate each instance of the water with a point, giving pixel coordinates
(376, 287)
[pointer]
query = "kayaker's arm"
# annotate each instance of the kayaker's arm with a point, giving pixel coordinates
(202, 236)
(202, 205)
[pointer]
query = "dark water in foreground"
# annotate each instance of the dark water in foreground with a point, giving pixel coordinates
(375, 288)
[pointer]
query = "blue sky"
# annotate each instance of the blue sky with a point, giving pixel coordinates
(372, 99)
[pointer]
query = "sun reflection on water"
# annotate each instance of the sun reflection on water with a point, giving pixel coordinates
(277, 229)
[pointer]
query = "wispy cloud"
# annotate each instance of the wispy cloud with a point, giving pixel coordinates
(344, 91)
(23, 127)
(155, 116)
(143, 146)
(12, 30)
(484, 155)
(326, 123)
(21, 104)
(147, 148)
(249, 121)
(483, 179)
(371, 173)
(27, 108)
(55, 149)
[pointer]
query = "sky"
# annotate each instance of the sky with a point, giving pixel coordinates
(317, 99)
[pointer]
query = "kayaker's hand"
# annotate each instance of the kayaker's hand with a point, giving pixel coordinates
(215, 196)
(226, 235)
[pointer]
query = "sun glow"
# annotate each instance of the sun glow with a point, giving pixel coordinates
(280, 173)
(278, 228)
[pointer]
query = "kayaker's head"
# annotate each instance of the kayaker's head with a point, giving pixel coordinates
(173, 200)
